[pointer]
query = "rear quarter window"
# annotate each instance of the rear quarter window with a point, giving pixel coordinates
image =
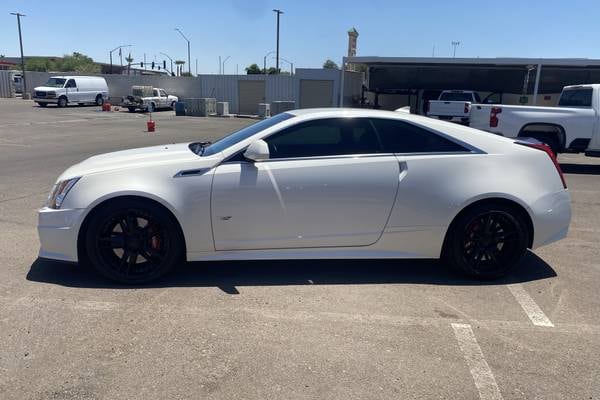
(403, 137)
(576, 98)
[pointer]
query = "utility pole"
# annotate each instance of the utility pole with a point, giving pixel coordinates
(188, 48)
(19, 15)
(223, 64)
(166, 55)
(220, 64)
(455, 45)
(196, 67)
(278, 12)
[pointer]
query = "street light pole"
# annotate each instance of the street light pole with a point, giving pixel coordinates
(120, 55)
(278, 12)
(223, 65)
(291, 65)
(19, 15)
(166, 55)
(265, 62)
(188, 48)
(455, 45)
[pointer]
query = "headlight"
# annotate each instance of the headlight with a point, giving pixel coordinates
(59, 192)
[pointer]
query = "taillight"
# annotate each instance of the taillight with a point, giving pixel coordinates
(466, 109)
(494, 116)
(548, 150)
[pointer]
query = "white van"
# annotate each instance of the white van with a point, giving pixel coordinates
(62, 90)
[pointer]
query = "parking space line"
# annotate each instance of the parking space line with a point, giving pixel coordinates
(480, 370)
(533, 311)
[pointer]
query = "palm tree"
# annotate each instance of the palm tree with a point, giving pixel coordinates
(179, 64)
(129, 60)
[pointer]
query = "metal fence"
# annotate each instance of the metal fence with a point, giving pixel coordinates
(220, 87)
(7, 89)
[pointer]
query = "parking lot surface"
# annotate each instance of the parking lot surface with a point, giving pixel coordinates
(279, 329)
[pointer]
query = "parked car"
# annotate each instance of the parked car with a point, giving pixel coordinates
(148, 98)
(570, 126)
(453, 105)
(18, 83)
(320, 183)
(65, 90)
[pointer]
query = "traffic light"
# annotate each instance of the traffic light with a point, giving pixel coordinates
(164, 64)
(152, 64)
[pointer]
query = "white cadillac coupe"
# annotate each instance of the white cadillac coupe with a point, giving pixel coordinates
(321, 183)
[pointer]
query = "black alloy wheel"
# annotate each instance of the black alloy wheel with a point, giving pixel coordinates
(133, 243)
(488, 242)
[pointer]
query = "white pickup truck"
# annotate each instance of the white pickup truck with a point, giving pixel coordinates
(453, 105)
(148, 98)
(568, 127)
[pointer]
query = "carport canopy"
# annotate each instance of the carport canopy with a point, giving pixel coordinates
(503, 75)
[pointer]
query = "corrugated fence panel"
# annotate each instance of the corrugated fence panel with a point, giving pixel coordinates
(6, 84)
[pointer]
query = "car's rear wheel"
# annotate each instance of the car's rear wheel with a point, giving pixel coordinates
(99, 100)
(487, 241)
(131, 109)
(133, 241)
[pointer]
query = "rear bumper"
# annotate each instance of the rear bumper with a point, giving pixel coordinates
(551, 219)
(58, 231)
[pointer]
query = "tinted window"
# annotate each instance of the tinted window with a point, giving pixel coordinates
(456, 96)
(71, 83)
(403, 137)
(576, 98)
(245, 133)
(325, 137)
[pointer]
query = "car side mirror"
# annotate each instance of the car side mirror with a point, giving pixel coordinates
(257, 151)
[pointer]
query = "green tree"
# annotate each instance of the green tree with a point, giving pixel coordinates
(253, 69)
(330, 64)
(77, 62)
(40, 64)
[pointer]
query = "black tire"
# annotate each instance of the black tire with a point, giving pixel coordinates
(62, 102)
(486, 241)
(151, 107)
(131, 109)
(551, 141)
(173, 105)
(133, 241)
(99, 100)
(42, 104)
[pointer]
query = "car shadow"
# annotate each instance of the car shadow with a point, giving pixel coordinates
(228, 275)
(582, 169)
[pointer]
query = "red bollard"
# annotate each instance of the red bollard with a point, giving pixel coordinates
(151, 125)
(106, 106)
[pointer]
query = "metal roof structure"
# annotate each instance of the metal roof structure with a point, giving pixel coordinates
(502, 74)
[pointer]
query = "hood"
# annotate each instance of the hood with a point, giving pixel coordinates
(47, 88)
(145, 156)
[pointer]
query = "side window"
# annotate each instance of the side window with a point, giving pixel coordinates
(324, 137)
(403, 137)
(71, 84)
(163, 93)
(155, 93)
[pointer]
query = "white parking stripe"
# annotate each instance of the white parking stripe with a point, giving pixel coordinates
(480, 370)
(533, 311)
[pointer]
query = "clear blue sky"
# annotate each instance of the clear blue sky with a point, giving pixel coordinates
(311, 31)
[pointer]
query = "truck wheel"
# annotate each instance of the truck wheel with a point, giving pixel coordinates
(151, 107)
(173, 106)
(62, 102)
(99, 100)
(131, 109)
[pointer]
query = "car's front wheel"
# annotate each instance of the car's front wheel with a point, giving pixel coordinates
(133, 241)
(487, 241)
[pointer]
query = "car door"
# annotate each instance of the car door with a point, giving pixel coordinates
(72, 91)
(164, 99)
(326, 184)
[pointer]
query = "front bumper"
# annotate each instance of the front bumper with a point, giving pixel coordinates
(58, 231)
(551, 219)
(44, 100)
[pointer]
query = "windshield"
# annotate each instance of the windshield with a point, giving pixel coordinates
(576, 98)
(56, 82)
(456, 96)
(244, 133)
